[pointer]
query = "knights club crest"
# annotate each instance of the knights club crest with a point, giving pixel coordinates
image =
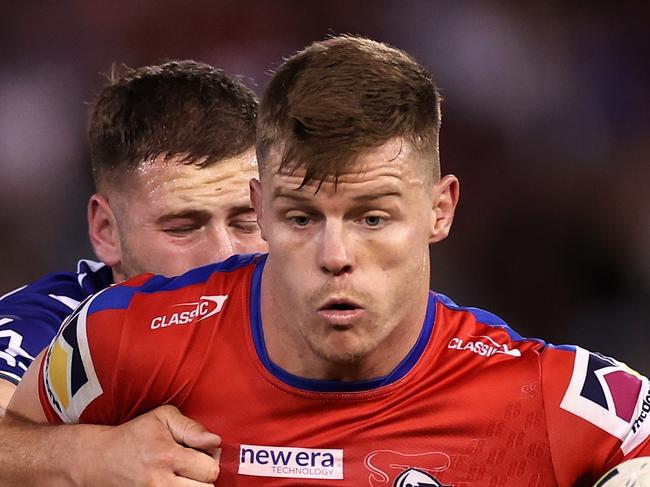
(390, 468)
(416, 478)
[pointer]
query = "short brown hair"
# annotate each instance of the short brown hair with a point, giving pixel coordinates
(182, 108)
(339, 97)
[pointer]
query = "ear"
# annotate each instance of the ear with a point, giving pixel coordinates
(103, 231)
(255, 188)
(446, 193)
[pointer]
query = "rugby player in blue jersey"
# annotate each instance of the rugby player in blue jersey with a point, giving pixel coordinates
(172, 151)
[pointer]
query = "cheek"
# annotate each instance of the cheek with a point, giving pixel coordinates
(286, 243)
(180, 262)
(400, 264)
(397, 246)
(141, 246)
(162, 256)
(250, 246)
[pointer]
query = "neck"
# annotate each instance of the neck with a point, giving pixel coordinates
(117, 275)
(288, 348)
(374, 365)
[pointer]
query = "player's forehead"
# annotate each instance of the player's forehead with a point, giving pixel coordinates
(161, 186)
(393, 167)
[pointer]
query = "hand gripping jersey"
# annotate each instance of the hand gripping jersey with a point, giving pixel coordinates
(31, 315)
(473, 404)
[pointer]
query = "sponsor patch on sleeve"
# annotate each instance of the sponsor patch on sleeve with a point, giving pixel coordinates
(68, 373)
(611, 396)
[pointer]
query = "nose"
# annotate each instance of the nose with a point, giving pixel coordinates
(335, 254)
(221, 245)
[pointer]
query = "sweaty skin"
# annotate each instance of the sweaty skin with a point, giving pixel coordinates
(198, 215)
(350, 261)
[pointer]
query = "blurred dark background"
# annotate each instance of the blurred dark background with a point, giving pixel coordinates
(546, 123)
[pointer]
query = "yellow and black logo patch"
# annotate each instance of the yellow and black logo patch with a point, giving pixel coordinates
(69, 376)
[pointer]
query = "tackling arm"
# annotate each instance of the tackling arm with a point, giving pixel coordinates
(161, 447)
(6, 391)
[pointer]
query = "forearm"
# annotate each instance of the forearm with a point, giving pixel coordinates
(7, 390)
(43, 455)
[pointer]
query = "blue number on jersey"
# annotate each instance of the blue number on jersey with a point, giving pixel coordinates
(31, 315)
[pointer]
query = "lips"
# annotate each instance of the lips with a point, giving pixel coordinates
(341, 312)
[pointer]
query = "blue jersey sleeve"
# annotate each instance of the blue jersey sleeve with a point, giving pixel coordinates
(30, 316)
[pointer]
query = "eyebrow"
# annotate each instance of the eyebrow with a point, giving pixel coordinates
(296, 195)
(203, 215)
(291, 194)
(376, 196)
(187, 214)
(240, 210)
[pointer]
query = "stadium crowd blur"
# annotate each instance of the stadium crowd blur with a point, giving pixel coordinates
(546, 123)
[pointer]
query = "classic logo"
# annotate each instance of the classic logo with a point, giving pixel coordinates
(611, 396)
(392, 468)
(191, 313)
(483, 345)
(290, 462)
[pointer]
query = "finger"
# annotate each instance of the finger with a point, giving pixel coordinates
(188, 432)
(183, 482)
(195, 465)
(196, 436)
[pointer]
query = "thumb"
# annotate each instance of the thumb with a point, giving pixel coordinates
(188, 432)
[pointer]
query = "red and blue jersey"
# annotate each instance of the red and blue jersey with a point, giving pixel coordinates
(31, 315)
(472, 404)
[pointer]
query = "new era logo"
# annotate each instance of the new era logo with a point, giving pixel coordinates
(291, 462)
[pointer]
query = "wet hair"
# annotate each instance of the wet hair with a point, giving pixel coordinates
(337, 98)
(180, 108)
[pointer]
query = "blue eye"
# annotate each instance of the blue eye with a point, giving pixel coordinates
(301, 221)
(373, 221)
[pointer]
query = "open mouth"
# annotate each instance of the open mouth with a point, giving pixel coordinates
(341, 306)
(341, 313)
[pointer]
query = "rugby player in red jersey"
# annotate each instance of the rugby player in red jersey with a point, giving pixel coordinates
(328, 361)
